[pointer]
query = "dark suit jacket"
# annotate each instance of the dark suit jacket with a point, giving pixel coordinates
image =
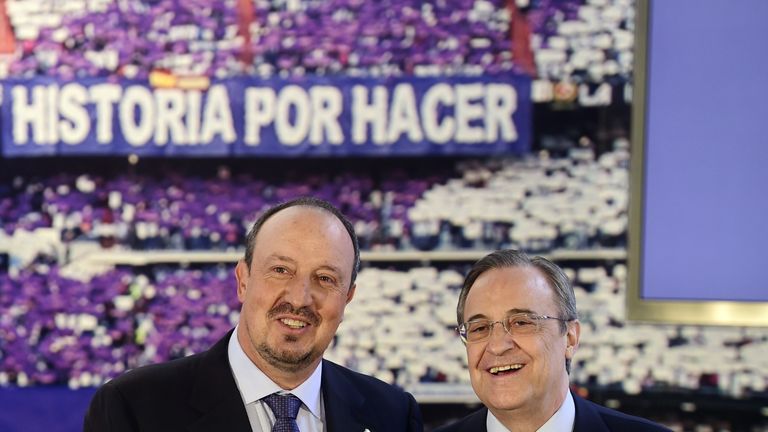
(198, 393)
(590, 417)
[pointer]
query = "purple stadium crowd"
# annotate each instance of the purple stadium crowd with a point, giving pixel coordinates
(573, 40)
(61, 322)
(578, 202)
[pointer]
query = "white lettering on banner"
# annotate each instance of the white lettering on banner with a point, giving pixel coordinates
(259, 112)
(467, 111)
(71, 102)
(364, 114)
(403, 116)
(28, 113)
(327, 105)
(54, 114)
(104, 96)
(170, 116)
(217, 116)
(481, 113)
(438, 132)
(194, 103)
(380, 114)
(137, 100)
(500, 104)
(295, 113)
(51, 117)
(294, 99)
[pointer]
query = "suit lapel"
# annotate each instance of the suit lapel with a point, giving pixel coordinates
(342, 401)
(225, 416)
(476, 422)
(215, 394)
(587, 417)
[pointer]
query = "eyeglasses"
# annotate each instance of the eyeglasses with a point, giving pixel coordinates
(517, 324)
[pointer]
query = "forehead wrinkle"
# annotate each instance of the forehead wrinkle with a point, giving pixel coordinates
(326, 228)
(519, 310)
(278, 257)
(507, 313)
(331, 267)
(476, 317)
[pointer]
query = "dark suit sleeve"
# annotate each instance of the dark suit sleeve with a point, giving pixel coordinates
(592, 417)
(108, 412)
(415, 422)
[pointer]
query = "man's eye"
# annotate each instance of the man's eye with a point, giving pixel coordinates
(478, 328)
(281, 270)
(521, 322)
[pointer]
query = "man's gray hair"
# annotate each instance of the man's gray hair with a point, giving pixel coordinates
(565, 299)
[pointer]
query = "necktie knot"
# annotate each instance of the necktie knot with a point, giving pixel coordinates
(285, 408)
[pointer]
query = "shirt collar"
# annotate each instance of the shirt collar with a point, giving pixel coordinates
(562, 420)
(255, 384)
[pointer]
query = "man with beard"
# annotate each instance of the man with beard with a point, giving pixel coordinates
(267, 374)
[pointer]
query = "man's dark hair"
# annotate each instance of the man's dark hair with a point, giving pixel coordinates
(250, 239)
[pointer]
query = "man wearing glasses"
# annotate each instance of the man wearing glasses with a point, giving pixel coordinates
(518, 320)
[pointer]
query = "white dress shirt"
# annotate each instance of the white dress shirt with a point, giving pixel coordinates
(255, 385)
(561, 421)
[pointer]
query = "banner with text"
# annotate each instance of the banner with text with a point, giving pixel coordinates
(307, 116)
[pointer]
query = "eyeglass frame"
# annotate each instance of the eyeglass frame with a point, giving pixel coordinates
(463, 327)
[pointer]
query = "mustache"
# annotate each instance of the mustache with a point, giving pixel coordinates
(286, 308)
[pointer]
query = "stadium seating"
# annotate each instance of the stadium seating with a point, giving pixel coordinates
(400, 322)
(572, 40)
(537, 203)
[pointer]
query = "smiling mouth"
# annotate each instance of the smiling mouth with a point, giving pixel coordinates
(505, 369)
(293, 323)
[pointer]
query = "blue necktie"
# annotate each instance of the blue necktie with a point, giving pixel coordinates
(285, 408)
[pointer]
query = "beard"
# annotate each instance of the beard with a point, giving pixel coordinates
(281, 356)
(287, 360)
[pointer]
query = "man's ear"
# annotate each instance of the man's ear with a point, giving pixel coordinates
(572, 338)
(241, 274)
(351, 293)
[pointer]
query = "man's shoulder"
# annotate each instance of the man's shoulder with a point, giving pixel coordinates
(176, 374)
(474, 422)
(619, 421)
(170, 375)
(361, 381)
(168, 396)
(375, 403)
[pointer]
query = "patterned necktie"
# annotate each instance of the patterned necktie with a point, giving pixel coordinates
(285, 408)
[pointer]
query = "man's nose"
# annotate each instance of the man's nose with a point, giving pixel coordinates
(499, 341)
(299, 292)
